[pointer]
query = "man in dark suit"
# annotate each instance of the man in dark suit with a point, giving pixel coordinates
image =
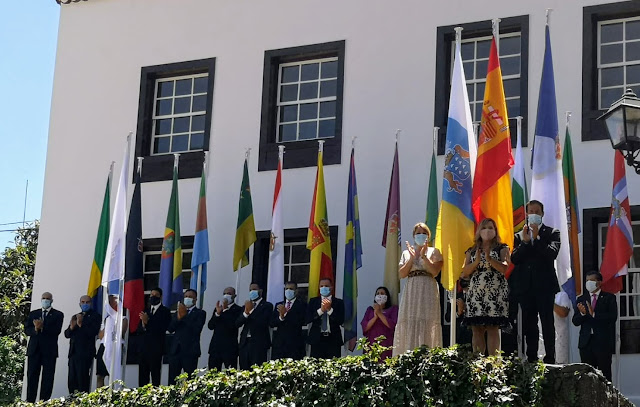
(534, 282)
(82, 332)
(154, 321)
(43, 327)
(288, 318)
(187, 325)
(255, 340)
(596, 313)
(326, 315)
(223, 349)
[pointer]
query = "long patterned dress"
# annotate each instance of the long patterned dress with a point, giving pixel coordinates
(488, 295)
(419, 315)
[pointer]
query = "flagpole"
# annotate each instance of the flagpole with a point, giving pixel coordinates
(476, 133)
(519, 315)
(496, 33)
(435, 138)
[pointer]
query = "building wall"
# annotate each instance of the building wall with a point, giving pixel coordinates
(389, 84)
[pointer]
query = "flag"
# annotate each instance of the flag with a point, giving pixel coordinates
(275, 279)
(133, 275)
(95, 278)
(200, 255)
(519, 188)
(573, 286)
(431, 219)
(547, 185)
(491, 194)
(352, 260)
(246, 229)
(455, 229)
(618, 247)
(171, 260)
(391, 235)
(318, 237)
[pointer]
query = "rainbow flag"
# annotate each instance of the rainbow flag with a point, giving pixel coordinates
(200, 256)
(318, 237)
(431, 218)
(573, 286)
(171, 261)
(392, 236)
(100, 252)
(491, 195)
(246, 228)
(455, 229)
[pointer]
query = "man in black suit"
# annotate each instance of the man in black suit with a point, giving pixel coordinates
(82, 332)
(534, 282)
(326, 315)
(187, 325)
(154, 321)
(223, 348)
(43, 328)
(255, 340)
(596, 313)
(288, 318)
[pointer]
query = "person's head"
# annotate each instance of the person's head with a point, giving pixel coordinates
(255, 291)
(487, 232)
(594, 281)
(326, 287)
(535, 212)
(190, 297)
(113, 302)
(85, 303)
(383, 297)
(290, 290)
(155, 297)
(421, 234)
(46, 300)
(229, 295)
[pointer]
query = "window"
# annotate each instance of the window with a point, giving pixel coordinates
(301, 103)
(610, 60)
(475, 47)
(174, 116)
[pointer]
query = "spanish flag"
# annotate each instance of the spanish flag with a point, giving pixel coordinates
(491, 196)
(318, 238)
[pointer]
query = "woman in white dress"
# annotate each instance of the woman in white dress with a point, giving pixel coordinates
(419, 314)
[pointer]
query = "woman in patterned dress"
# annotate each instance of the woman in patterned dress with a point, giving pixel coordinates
(419, 315)
(487, 303)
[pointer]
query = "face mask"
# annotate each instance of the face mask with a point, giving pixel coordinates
(188, 302)
(290, 294)
(381, 299)
(228, 298)
(487, 234)
(85, 307)
(420, 239)
(154, 300)
(534, 219)
(325, 291)
(254, 295)
(592, 286)
(46, 304)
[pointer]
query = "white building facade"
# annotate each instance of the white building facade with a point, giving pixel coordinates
(221, 76)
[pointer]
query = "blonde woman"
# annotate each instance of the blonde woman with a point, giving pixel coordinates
(487, 302)
(419, 314)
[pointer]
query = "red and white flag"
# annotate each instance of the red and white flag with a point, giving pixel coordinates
(275, 279)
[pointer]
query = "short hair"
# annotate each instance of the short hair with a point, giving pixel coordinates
(256, 283)
(291, 282)
(192, 290)
(534, 202)
(326, 279)
(422, 225)
(158, 289)
(595, 273)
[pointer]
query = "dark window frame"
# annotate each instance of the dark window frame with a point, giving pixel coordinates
(445, 39)
(160, 167)
(300, 154)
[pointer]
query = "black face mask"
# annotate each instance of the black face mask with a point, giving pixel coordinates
(154, 300)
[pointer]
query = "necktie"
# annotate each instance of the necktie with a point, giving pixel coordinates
(594, 300)
(44, 315)
(325, 323)
(288, 306)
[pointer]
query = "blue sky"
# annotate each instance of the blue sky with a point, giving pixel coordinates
(28, 38)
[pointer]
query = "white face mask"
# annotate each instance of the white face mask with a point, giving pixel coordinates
(591, 285)
(381, 299)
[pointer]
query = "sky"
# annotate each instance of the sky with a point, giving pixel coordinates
(28, 38)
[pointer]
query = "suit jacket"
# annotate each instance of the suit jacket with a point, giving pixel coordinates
(186, 340)
(534, 270)
(154, 333)
(336, 319)
(44, 342)
(224, 341)
(289, 333)
(602, 324)
(82, 339)
(257, 323)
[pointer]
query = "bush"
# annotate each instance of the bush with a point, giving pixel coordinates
(12, 354)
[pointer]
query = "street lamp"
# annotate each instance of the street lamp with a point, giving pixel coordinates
(622, 122)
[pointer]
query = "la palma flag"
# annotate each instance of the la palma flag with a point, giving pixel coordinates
(619, 245)
(133, 279)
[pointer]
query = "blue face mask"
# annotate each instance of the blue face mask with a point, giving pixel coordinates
(420, 239)
(534, 219)
(290, 294)
(325, 291)
(46, 304)
(188, 302)
(254, 295)
(85, 307)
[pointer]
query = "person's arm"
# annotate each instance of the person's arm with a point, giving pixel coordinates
(521, 250)
(561, 311)
(433, 264)
(392, 318)
(503, 264)
(470, 266)
(608, 314)
(578, 316)
(547, 247)
(274, 320)
(312, 311)
(336, 312)
(406, 262)
(261, 320)
(368, 320)
(56, 328)
(29, 328)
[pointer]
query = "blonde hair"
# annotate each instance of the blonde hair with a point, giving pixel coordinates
(478, 239)
(422, 225)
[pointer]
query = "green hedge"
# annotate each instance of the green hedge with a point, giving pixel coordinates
(12, 354)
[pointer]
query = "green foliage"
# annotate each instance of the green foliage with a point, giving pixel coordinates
(12, 354)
